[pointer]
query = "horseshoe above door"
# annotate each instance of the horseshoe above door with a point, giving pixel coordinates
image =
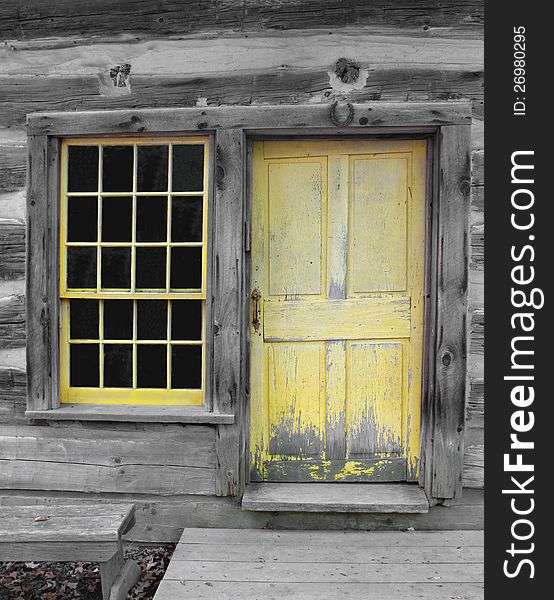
(335, 118)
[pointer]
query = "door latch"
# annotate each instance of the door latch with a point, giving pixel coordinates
(256, 297)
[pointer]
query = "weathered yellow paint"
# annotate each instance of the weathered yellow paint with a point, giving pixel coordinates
(296, 386)
(379, 199)
(338, 249)
(333, 148)
(335, 372)
(374, 398)
(350, 471)
(354, 468)
(295, 218)
(338, 319)
(138, 396)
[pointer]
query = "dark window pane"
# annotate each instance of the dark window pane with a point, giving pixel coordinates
(186, 218)
(118, 319)
(152, 320)
(83, 321)
(118, 365)
(150, 268)
(81, 268)
(151, 366)
(186, 268)
(186, 367)
(152, 165)
(82, 169)
(82, 219)
(188, 168)
(117, 169)
(151, 219)
(117, 218)
(116, 268)
(186, 320)
(84, 366)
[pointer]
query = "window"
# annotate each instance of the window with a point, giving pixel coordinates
(133, 236)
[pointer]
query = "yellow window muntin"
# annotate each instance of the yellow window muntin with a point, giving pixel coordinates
(133, 396)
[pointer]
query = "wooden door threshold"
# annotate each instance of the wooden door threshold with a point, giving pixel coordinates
(336, 497)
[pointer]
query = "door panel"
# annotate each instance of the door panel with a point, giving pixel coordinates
(338, 249)
(374, 398)
(295, 223)
(378, 225)
(295, 399)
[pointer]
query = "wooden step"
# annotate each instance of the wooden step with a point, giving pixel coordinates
(335, 497)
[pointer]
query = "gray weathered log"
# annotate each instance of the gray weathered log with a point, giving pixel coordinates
(13, 166)
(163, 519)
(474, 470)
(13, 394)
(12, 321)
(73, 459)
(36, 19)
(27, 94)
(12, 249)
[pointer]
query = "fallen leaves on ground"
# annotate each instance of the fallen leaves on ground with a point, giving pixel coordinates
(79, 580)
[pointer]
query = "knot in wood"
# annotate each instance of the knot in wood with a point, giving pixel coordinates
(347, 70)
(446, 359)
(120, 74)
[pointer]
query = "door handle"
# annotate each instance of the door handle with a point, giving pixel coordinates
(256, 296)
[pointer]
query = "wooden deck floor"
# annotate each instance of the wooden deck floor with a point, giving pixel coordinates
(260, 564)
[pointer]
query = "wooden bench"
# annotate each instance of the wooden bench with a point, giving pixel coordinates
(87, 532)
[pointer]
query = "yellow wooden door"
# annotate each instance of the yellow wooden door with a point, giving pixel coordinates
(338, 249)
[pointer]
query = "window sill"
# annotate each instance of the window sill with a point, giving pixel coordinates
(139, 414)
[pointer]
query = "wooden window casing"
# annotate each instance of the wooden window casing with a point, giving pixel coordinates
(134, 393)
(446, 126)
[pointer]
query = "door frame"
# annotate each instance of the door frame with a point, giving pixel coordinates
(446, 279)
(448, 127)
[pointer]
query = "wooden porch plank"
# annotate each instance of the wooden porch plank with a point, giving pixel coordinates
(336, 538)
(219, 564)
(321, 573)
(199, 590)
(309, 553)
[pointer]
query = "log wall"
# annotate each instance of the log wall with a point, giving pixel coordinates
(60, 55)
